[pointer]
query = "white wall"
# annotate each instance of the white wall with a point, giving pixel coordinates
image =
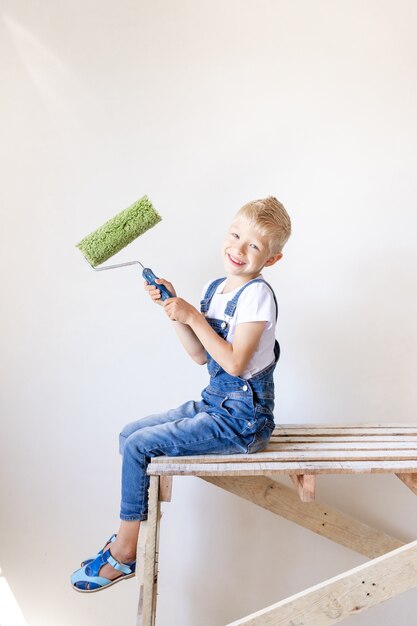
(203, 106)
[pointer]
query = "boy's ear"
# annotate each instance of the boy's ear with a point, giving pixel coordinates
(274, 259)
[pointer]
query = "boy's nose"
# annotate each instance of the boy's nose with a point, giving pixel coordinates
(239, 247)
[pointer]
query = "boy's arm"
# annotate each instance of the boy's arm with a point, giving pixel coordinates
(185, 334)
(197, 336)
(233, 357)
(190, 342)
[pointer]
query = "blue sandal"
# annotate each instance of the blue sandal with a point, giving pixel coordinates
(91, 558)
(87, 579)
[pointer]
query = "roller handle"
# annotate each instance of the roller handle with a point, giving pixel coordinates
(150, 278)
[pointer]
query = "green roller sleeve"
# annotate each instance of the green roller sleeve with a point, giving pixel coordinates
(119, 231)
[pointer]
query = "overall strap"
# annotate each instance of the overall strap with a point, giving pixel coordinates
(232, 304)
(211, 290)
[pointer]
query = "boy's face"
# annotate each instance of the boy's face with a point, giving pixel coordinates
(245, 250)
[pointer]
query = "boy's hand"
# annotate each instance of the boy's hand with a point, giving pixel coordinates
(155, 293)
(179, 310)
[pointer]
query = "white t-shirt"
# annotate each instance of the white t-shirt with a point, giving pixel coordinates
(255, 304)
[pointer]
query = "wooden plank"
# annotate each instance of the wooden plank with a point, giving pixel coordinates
(362, 425)
(156, 567)
(394, 439)
(150, 567)
(361, 428)
(410, 480)
(320, 519)
(165, 488)
(140, 567)
(306, 486)
(345, 431)
(314, 454)
(348, 594)
(274, 445)
(173, 468)
(297, 455)
(140, 552)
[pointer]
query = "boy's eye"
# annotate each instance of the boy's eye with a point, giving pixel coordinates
(236, 236)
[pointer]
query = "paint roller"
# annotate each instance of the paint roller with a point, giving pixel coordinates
(117, 233)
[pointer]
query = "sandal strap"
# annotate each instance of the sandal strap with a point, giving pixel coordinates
(121, 567)
(111, 540)
(93, 568)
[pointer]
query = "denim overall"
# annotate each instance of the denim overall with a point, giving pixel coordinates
(248, 402)
(233, 416)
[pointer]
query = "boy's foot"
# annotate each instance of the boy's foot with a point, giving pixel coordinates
(100, 568)
(120, 554)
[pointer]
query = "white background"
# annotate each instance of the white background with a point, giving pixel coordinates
(203, 106)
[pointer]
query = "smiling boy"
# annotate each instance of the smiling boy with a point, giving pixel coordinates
(249, 246)
(234, 333)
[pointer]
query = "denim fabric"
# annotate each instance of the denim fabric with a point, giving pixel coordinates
(233, 416)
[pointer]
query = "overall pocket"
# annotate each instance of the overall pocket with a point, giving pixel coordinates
(261, 438)
(265, 421)
(240, 414)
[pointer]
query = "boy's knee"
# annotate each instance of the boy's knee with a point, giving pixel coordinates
(122, 441)
(125, 434)
(132, 442)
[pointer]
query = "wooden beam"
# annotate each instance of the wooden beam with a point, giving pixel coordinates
(321, 519)
(185, 466)
(140, 552)
(346, 429)
(410, 480)
(140, 567)
(340, 597)
(374, 441)
(165, 488)
(306, 486)
(146, 612)
(282, 453)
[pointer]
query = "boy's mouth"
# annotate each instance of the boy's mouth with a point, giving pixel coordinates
(235, 261)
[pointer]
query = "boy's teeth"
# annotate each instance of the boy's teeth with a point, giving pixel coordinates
(238, 262)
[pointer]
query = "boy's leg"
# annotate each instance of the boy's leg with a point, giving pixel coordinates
(204, 434)
(123, 548)
(186, 410)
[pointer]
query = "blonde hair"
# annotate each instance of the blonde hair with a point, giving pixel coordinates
(270, 219)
